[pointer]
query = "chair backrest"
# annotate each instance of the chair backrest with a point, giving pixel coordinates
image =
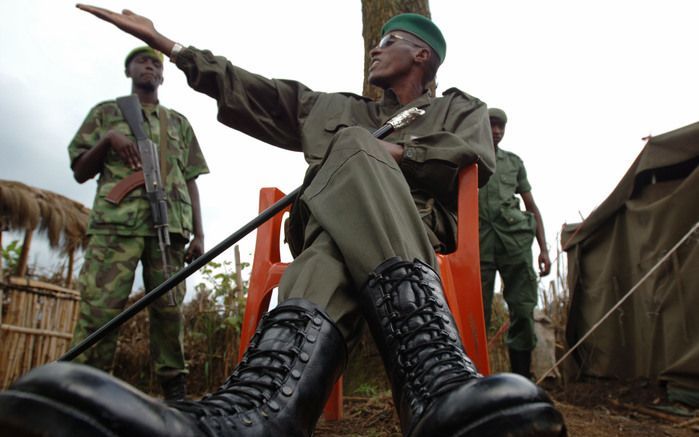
(267, 268)
(461, 273)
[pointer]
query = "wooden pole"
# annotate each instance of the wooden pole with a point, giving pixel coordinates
(238, 275)
(71, 264)
(232, 309)
(22, 263)
(2, 276)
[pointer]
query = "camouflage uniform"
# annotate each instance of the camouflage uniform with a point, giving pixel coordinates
(506, 236)
(122, 235)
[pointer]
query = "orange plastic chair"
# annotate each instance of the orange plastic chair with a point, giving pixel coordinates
(460, 267)
(461, 273)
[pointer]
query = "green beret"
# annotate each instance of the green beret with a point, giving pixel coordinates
(144, 49)
(420, 26)
(498, 114)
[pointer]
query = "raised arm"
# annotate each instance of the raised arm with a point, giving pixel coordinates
(543, 262)
(196, 246)
(134, 24)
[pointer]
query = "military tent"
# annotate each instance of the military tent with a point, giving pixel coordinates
(630, 242)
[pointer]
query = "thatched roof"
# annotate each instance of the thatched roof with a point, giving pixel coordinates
(25, 208)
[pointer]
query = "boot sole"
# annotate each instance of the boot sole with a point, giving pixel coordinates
(530, 420)
(29, 415)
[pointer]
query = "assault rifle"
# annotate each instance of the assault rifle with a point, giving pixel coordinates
(150, 163)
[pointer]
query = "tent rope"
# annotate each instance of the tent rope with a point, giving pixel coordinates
(621, 301)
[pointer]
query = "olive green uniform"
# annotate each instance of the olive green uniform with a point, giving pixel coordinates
(122, 235)
(506, 235)
(359, 207)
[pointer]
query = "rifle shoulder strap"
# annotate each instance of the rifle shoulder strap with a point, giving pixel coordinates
(131, 110)
(162, 148)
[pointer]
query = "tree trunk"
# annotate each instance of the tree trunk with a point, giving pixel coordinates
(365, 369)
(374, 15)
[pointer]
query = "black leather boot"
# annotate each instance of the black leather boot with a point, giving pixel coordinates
(436, 388)
(278, 389)
(520, 362)
(175, 388)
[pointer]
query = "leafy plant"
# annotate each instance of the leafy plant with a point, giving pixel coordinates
(368, 390)
(10, 255)
(214, 331)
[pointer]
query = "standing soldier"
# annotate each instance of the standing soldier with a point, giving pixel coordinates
(365, 227)
(121, 226)
(506, 234)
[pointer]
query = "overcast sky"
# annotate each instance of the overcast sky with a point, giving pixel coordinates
(581, 81)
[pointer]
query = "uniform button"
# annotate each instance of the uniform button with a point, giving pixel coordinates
(409, 153)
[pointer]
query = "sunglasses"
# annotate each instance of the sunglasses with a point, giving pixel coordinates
(391, 38)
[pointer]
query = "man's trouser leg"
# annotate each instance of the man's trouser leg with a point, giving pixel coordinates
(520, 293)
(105, 283)
(166, 321)
(361, 213)
(488, 270)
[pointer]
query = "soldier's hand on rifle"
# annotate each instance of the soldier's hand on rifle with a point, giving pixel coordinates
(195, 249)
(134, 24)
(125, 148)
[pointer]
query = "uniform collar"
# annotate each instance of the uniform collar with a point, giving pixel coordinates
(391, 106)
(151, 108)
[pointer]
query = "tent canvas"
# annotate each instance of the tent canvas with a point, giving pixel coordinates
(654, 334)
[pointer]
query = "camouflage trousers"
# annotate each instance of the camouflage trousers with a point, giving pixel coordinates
(105, 282)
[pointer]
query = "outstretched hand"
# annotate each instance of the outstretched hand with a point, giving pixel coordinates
(134, 24)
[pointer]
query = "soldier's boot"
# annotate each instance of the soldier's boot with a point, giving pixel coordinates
(175, 388)
(436, 388)
(278, 389)
(520, 362)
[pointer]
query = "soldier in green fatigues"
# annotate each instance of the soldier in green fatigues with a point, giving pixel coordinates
(121, 231)
(364, 231)
(506, 235)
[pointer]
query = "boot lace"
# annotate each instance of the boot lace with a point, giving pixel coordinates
(429, 353)
(258, 376)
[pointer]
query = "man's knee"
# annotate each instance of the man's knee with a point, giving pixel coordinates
(355, 138)
(520, 311)
(352, 133)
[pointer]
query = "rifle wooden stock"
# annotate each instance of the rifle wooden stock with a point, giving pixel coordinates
(124, 187)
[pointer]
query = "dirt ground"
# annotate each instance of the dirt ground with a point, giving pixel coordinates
(590, 409)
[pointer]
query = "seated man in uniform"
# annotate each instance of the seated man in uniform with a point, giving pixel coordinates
(364, 228)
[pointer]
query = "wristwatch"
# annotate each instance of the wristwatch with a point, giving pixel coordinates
(176, 49)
